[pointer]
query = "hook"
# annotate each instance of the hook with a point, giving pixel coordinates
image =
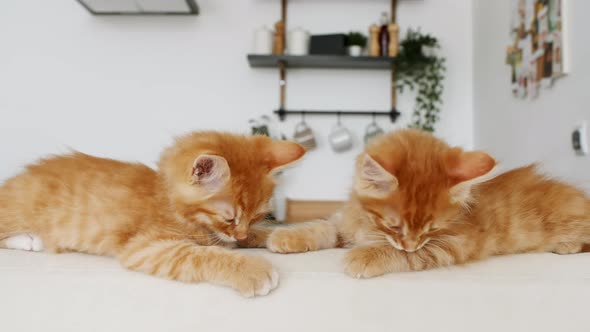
(282, 114)
(374, 118)
(339, 121)
(394, 114)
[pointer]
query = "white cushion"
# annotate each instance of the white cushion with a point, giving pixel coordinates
(75, 292)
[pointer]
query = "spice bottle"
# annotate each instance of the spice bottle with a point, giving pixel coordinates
(374, 40)
(279, 39)
(384, 36)
(393, 39)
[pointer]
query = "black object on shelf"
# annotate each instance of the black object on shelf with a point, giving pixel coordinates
(321, 61)
(333, 44)
(137, 7)
(393, 114)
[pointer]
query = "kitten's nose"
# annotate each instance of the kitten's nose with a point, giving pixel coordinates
(240, 236)
(241, 231)
(410, 245)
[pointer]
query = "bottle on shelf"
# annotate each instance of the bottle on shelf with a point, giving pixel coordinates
(279, 39)
(374, 40)
(393, 39)
(384, 35)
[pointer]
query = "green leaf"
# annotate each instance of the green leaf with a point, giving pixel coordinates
(424, 75)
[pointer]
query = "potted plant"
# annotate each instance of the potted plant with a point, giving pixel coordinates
(356, 42)
(421, 69)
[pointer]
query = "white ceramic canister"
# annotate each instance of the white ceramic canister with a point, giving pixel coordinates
(298, 42)
(263, 39)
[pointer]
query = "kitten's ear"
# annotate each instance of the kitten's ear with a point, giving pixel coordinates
(283, 153)
(467, 169)
(465, 166)
(372, 180)
(210, 172)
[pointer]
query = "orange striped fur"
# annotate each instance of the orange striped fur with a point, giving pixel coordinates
(173, 222)
(419, 204)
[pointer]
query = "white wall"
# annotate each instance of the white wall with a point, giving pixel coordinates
(519, 131)
(120, 87)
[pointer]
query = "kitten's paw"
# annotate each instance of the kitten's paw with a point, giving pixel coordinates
(286, 240)
(365, 262)
(255, 276)
(566, 248)
(28, 242)
(37, 243)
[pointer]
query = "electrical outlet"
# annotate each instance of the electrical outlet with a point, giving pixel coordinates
(580, 139)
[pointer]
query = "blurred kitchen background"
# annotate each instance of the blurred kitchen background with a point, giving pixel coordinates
(122, 86)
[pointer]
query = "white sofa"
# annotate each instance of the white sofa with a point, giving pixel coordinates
(74, 292)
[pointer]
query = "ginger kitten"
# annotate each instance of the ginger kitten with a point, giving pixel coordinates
(419, 204)
(209, 190)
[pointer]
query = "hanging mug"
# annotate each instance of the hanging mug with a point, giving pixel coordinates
(304, 136)
(373, 130)
(341, 138)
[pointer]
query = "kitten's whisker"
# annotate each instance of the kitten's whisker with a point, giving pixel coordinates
(376, 239)
(376, 242)
(433, 244)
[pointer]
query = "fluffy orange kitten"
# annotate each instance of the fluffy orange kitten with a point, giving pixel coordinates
(209, 190)
(419, 204)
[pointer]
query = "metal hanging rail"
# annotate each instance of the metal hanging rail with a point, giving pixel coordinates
(282, 113)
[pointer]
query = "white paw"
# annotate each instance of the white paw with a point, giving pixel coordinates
(28, 242)
(269, 285)
(254, 276)
(37, 243)
(19, 242)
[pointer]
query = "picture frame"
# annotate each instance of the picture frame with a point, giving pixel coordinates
(538, 48)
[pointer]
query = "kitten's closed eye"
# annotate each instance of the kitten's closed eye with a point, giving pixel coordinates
(259, 216)
(396, 229)
(230, 221)
(433, 228)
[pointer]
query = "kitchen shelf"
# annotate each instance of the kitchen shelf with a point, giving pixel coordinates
(320, 61)
(284, 62)
(141, 7)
